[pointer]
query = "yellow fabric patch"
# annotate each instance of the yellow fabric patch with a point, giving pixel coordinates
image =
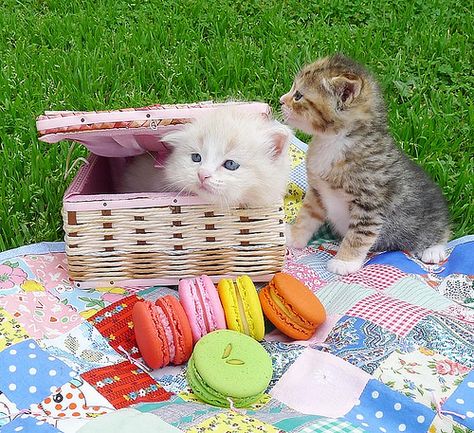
(297, 156)
(293, 201)
(188, 395)
(32, 286)
(11, 332)
(231, 422)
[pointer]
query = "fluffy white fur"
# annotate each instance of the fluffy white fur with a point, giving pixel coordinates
(259, 145)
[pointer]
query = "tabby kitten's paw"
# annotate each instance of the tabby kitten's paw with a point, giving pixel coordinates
(342, 267)
(435, 254)
(295, 238)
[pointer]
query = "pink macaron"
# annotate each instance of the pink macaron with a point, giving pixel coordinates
(203, 307)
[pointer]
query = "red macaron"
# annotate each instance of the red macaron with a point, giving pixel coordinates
(162, 332)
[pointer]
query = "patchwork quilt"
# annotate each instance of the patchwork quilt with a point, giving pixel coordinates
(396, 353)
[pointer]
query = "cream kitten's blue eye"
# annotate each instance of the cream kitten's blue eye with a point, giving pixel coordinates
(196, 157)
(231, 165)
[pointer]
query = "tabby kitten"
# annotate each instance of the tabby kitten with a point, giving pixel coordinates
(371, 193)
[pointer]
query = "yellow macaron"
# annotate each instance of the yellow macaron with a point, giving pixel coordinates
(243, 312)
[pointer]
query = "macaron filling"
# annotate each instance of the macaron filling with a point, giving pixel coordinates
(210, 323)
(242, 314)
(198, 307)
(287, 310)
(168, 332)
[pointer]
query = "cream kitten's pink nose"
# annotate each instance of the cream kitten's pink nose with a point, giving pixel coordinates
(203, 175)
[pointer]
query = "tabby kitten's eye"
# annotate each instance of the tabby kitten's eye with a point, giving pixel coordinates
(196, 157)
(297, 96)
(231, 165)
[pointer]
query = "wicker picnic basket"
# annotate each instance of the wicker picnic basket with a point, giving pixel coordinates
(153, 238)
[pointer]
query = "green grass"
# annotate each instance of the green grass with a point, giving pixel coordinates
(102, 54)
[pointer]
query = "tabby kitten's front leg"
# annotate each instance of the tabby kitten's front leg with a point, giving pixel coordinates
(310, 218)
(364, 228)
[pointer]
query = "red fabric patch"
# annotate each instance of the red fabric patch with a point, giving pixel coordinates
(125, 384)
(115, 324)
(397, 316)
(378, 277)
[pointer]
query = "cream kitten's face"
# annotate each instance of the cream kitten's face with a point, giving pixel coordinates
(229, 158)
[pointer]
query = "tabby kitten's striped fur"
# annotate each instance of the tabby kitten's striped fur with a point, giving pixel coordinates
(372, 194)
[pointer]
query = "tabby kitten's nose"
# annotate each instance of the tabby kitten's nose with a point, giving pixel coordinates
(284, 98)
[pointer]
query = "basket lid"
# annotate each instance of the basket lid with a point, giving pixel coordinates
(127, 132)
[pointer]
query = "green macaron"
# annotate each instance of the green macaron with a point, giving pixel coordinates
(228, 367)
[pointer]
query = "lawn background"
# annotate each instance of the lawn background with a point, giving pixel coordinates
(92, 55)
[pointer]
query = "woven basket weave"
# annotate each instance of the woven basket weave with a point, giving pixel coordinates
(172, 242)
(151, 238)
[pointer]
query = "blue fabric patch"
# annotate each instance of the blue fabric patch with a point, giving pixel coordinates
(283, 356)
(383, 410)
(83, 349)
(318, 262)
(398, 260)
(461, 401)
(28, 424)
(360, 342)
(446, 336)
(31, 373)
(461, 260)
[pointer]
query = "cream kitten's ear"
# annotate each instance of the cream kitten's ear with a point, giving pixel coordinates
(175, 137)
(280, 139)
(347, 87)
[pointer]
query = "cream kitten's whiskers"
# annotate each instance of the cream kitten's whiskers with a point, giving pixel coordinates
(226, 157)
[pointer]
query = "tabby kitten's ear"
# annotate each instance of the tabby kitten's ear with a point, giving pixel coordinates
(347, 87)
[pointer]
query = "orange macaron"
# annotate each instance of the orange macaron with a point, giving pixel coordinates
(292, 307)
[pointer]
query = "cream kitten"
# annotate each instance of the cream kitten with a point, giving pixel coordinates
(226, 157)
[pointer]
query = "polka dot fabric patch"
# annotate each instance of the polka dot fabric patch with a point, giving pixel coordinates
(29, 424)
(380, 409)
(125, 384)
(72, 400)
(31, 373)
(462, 402)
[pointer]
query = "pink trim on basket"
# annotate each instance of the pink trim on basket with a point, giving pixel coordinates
(76, 199)
(127, 132)
(149, 282)
(85, 118)
(127, 201)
